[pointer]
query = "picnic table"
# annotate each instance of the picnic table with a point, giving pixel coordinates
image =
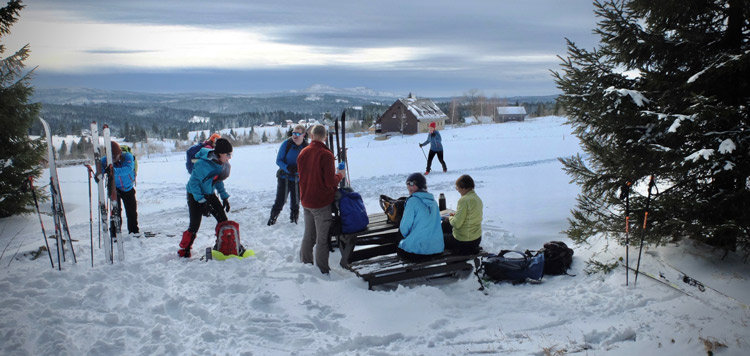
(371, 254)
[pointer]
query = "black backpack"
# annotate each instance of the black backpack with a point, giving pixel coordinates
(557, 257)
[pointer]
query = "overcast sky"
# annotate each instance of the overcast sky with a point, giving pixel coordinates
(428, 47)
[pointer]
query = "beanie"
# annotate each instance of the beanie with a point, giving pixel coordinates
(433, 125)
(116, 150)
(418, 179)
(223, 146)
(213, 138)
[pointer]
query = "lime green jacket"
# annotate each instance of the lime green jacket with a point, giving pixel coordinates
(467, 223)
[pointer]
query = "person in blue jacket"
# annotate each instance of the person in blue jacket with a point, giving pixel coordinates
(209, 172)
(420, 224)
(287, 176)
(124, 175)
(436, 148)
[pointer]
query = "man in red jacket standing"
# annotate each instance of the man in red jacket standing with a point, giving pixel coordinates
(318, 180)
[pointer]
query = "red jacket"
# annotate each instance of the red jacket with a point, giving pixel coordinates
(318, 179)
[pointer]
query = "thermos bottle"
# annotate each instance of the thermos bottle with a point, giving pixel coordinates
(441, 202)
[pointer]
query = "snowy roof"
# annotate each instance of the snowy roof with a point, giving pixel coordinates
(423, 109)
(511, 110)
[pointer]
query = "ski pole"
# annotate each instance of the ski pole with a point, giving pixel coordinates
(625, 191)
(44, 233)
(91, 215)
(651, 184)
(423, 154)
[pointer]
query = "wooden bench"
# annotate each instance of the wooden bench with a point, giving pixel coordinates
(371, 255)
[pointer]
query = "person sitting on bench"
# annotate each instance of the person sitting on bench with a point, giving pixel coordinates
(420, 224)
(462, 230)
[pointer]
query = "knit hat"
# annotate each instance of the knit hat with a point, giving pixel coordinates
(433, 125)
(418, 179)
(116, 150)
(222, 146)
(213, 138)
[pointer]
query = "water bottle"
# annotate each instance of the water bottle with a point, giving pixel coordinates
(441, 202)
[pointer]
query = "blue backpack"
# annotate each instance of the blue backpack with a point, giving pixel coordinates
(352, 211)
(190, 153)
(516, 268)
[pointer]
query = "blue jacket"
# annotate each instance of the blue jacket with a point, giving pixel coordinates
(204, 178)
(420, 225)
(436, 142)
(285, 158)
(124, 172)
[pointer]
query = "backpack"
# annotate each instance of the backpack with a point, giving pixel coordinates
(190, 155)
(393, 208)
(228, 238)
(557, 257)
(352, 212)
(519, 268)
(126, 148)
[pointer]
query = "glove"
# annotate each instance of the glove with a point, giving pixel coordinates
(225, 204)
(205, 209)
(342, 166)
(292, 168)
(420, 145)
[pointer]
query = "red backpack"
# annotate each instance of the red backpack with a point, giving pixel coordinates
(228, 238)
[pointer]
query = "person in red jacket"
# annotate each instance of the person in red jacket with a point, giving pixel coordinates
(318, 180)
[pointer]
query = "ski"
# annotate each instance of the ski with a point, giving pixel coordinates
(343, 149)
(680, 276)
(100, 151)
(39, 213)
(114, 205)
(58, 209)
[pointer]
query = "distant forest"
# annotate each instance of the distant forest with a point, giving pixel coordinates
(162, 117)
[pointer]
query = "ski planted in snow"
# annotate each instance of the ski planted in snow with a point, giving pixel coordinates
(114, 205)
(99, 152)
(58, 209)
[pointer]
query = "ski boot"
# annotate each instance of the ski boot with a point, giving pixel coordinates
(272, 219)
(294, 216)
(426, 172)
(186, 243)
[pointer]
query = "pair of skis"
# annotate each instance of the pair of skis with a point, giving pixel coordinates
(109, 219)
(62, 232)
(341, 147)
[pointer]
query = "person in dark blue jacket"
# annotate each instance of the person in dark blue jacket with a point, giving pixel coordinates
(287, 176)
(124, 175)
(420, 224)
(436, 148)
(209, 172)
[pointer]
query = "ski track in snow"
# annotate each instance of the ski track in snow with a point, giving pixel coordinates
(155, 303)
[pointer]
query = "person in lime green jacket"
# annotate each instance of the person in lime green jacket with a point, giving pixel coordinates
(463, 229)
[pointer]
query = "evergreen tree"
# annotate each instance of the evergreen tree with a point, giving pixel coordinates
(63, 152)
(20, 156)
(665, 94)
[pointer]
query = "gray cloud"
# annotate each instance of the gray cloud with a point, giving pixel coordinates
(463, 31)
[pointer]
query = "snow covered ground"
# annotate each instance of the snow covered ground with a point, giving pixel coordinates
(156, 304)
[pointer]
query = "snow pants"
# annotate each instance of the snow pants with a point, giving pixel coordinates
(431, 155)
(317, 224)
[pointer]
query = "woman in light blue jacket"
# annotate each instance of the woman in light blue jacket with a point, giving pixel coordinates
(420, 224)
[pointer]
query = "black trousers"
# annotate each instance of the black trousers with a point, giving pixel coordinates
(196, 214)
(284, 188)
(459, 247)
(127, 200)
(431, 155)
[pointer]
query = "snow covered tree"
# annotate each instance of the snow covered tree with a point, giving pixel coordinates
(665, 93)
(19, 155)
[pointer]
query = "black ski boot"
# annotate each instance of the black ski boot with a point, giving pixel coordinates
(272, 219)
(294, 216)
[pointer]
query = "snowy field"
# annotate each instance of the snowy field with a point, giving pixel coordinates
(154, 303)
